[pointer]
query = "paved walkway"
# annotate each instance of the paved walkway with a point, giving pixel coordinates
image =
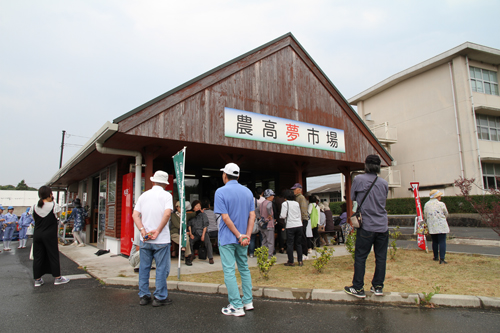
(116, 270)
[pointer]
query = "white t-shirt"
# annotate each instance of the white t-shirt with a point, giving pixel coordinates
(45, 209)
(291, 209)
(152, 205)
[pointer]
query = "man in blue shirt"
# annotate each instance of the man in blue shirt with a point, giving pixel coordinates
(235, 204)
(10, 225)
(2, 220)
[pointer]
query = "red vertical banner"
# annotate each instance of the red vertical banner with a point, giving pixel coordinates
(420, 217)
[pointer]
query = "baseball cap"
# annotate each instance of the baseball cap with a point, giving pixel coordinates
(296, 185)
(268, 193)
(231, 169)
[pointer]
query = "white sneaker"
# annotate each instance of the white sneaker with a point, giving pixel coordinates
(74, 243)
(309, 251)
(39, 282)
(304, 257)
(248, 307)
(81, 245)
(232, 311)
(61, 280)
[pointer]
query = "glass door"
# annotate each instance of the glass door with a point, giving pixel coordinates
(101, 228)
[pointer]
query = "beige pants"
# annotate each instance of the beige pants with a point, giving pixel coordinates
(175, 239)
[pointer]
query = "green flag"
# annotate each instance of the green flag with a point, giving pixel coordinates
(179, 159)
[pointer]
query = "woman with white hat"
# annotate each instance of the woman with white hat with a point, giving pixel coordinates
(435, 214)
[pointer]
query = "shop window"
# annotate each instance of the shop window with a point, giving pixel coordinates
(483, 81)
(112, 184)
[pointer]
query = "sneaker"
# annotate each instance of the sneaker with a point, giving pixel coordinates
(145, 300)
(74, 244)
(61, 280)
(304, 257)
(251, 255)
(81, 245)
(39, 282)
(357, 293)
(232, 311)
(377, 291)
(158, 302)
(248, 307)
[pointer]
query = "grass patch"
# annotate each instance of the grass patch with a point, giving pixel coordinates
(412, 272)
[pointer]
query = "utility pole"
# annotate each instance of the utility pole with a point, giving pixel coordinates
(60, 159)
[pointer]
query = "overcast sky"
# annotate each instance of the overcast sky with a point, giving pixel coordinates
(73, 65)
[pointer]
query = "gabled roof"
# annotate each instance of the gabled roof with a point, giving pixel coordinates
(212, 71)
(154, 107)
(472, 51)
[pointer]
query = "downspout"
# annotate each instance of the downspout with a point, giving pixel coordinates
(475, 123)
(138, 164)
(456, 121)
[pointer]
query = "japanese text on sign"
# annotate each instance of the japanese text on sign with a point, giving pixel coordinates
(260, 127)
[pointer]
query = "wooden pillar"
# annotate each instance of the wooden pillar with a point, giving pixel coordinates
(299, 173)
(348, 184)
(149, 155)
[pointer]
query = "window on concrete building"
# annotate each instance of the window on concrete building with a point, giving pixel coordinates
(490, 174)
(488, 127)
(483, 81)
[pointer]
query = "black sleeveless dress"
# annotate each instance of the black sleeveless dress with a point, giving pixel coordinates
(45, 245)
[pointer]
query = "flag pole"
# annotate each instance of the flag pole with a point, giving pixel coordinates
(179, 171)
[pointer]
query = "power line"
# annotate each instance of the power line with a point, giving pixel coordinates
(78, 136)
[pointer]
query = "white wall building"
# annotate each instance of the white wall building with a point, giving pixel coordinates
(440, 120)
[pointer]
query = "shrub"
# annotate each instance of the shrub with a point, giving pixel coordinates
(325, 254)
(264, 263)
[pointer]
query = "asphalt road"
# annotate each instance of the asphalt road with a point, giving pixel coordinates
(85, 305)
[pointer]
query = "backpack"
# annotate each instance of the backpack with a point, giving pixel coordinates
(314, 217)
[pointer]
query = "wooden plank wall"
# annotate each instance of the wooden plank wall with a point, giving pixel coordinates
(282, 85)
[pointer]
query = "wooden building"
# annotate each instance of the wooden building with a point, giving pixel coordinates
(278, 81)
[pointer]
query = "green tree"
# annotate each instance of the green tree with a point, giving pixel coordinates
(22, 186)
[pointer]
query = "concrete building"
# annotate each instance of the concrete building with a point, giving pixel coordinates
(329, 192)
(20, 200)
(440, 120)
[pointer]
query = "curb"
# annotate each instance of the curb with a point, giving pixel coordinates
(326, 295)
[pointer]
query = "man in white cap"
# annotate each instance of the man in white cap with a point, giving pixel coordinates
(235, 204)
(151, 215)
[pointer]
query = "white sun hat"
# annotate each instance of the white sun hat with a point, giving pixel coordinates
(160, 177)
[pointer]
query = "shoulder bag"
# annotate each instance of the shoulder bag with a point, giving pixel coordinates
(356, 219)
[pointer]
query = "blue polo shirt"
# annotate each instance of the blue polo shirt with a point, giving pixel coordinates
(235, 200)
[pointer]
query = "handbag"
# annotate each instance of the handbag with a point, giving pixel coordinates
(202, 252)
(356, 218)
(30, 230)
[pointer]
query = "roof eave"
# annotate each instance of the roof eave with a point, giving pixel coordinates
(424, 66)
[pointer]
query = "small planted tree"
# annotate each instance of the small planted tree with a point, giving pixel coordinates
(324, 256)
(263, 261)
(350, 242)
(393, 249)
(489, 211)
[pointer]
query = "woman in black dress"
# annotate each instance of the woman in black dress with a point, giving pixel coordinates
(45, 246)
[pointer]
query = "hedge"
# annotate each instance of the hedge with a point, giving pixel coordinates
(404, 206)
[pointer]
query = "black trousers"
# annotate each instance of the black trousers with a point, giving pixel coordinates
(364, 241)
(294, 237)
(304, 238)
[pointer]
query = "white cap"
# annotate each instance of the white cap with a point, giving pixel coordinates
(160, 177)
(231, 169)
